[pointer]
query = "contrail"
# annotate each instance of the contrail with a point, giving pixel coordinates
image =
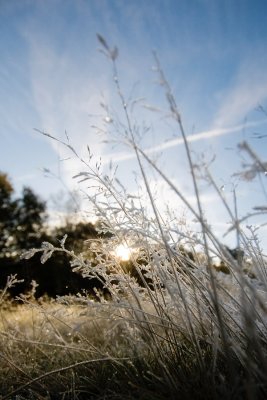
(120, 157)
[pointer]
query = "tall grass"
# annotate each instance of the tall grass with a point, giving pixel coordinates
(173, 326)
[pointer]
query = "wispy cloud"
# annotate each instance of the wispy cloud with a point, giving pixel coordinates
(209, 134)
(247, 91)
(64, 93)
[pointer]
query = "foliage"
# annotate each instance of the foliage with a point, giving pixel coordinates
(21, 220)
(7, 210)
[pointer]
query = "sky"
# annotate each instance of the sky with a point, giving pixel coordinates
(55, 79)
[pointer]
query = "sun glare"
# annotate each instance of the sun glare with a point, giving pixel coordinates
(123, 252)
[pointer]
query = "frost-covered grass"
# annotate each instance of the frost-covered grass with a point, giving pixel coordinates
(83, 345)
(173, 326)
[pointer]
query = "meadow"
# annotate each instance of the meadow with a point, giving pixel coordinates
(178, 327)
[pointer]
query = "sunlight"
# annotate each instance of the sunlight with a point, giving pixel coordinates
(123, 252)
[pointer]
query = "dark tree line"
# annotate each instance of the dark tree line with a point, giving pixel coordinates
(22, 227)
(21, 220)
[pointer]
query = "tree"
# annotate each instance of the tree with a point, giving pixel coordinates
(7, 209)
(6, 189)
(29, 218)
(21, 220)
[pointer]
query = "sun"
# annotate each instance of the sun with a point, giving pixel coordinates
(123, 252)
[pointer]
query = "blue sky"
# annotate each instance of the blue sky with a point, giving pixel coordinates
(53, 78)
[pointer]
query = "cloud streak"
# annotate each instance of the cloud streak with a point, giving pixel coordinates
(204, 135)
(247, 91)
